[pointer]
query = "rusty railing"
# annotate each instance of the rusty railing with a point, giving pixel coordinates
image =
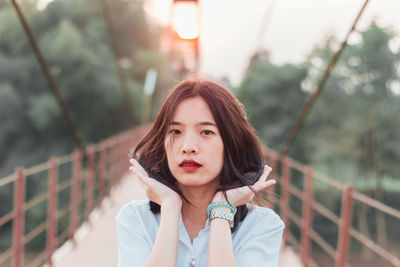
(347, 231)
(86, 181)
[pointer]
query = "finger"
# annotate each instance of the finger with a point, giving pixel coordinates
(132, 161)
(139, 178)
(138, 167)
(259, 186)
(244, 195)
(135, 163)
(135, 171)
(267, 170)
(141, 182)
(143, 177)
(141, 172)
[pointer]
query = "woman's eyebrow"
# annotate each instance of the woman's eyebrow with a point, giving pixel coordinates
(200, 123)
(207, 123)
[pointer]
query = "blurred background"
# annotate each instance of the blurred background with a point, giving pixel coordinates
(114, 61)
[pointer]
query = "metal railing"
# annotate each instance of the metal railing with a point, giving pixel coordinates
(88, 179)
(344, 222)
(92, 178)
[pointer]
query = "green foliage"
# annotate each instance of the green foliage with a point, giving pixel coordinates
(352, 130)
(272, 97)
(356, 118)
(72, 37)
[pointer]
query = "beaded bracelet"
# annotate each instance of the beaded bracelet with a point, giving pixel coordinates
(221, 204)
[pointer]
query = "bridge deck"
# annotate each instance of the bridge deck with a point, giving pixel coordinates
(97, 243)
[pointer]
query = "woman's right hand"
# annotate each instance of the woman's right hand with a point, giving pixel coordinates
(155, 191)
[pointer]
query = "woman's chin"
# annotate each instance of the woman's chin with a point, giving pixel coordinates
(195, 181)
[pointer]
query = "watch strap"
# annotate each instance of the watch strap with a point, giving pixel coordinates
(223, 215)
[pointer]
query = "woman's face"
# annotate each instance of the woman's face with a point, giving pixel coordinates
(193, 144)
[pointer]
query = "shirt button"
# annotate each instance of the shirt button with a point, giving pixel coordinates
(193, 262)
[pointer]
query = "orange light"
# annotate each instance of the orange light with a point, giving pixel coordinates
(185, 20)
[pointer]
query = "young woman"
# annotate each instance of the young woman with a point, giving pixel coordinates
(200, 166)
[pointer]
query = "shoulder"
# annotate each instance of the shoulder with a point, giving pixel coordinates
(258, 238)
(263, 219)
(263, 213)
(134, 212)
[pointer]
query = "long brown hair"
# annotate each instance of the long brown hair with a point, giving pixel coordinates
(243, 158)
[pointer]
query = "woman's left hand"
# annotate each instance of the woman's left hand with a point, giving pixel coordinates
(242, 195)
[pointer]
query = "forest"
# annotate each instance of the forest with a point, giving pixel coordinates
(351, 134)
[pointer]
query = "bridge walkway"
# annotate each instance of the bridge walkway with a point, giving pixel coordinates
(97, 243)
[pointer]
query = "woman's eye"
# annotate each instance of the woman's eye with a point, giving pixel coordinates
(174, 131)
(207, 132)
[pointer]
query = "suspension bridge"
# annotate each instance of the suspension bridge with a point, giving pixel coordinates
(83, 192)
(82, 232)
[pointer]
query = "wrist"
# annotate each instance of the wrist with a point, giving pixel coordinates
(222, 215)
(172, 203)
(219, 208)
(219, 197)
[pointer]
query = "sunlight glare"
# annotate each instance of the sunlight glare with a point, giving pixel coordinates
(185, 21)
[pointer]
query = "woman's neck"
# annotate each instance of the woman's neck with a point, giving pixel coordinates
(194, 214)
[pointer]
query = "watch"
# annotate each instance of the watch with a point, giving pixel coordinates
(223, 215)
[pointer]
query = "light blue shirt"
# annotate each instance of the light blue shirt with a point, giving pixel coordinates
(256, 241)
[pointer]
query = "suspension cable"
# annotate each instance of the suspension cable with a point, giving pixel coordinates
(73, 129)
(317, 91)
(115, 52)
(266, 22)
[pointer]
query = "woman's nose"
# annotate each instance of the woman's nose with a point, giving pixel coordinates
(189, 147)
(188, 150)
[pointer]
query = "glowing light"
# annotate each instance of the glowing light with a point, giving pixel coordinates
(185, 22)
(42, 4)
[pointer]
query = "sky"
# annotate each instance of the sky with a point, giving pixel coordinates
(230, 29)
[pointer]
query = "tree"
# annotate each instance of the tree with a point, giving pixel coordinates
(272, 98)
(73, 39)
(355, 122)
(360, 105)
(352, 131)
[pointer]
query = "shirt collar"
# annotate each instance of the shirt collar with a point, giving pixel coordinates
(182, 225)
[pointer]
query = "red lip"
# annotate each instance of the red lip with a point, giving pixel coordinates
(189, 165)
(189, 161)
